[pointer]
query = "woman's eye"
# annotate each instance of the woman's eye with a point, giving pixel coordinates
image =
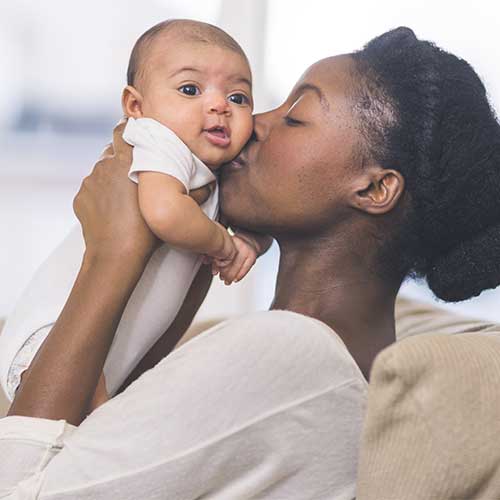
(292, 122)
(240, 99)
(189, 90)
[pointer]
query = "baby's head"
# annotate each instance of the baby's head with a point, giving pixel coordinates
(195, 79)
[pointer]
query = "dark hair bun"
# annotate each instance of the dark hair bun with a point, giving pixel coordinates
(425, 113)
(395, 38)
(468, 269)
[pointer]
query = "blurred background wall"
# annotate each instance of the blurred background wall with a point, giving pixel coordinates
(62, 68)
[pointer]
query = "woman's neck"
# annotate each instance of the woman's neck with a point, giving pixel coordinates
(338, 287)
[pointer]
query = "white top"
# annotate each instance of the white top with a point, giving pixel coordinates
(158, 149)
(267, 406)
(157, 297)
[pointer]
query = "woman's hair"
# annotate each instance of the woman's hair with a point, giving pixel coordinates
(425, 113)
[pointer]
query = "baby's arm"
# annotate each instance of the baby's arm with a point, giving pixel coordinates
(176, 218)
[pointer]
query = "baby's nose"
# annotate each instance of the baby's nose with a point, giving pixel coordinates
(218, 104)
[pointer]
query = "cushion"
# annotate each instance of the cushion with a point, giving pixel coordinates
(432, 428)
(414, 317)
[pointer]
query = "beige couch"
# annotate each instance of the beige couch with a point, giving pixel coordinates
(432, 429)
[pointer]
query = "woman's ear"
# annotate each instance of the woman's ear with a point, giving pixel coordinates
(378, 190)
(132, 102)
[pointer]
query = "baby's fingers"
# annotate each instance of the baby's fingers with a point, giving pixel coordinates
(227, 273)
(206, 259)
(215, 269)
(231, 272)
(245, 268)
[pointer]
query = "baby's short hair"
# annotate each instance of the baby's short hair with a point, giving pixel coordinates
(189, 30)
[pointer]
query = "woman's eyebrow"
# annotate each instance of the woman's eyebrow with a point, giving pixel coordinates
(309, 86)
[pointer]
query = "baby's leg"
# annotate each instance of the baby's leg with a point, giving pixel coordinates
(151, 309)
(37, 309)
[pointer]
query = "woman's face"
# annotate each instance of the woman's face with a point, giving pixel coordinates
(295, 177)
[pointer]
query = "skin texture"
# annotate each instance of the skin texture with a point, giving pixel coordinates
(301, 183)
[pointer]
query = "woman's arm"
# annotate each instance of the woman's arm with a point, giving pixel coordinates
(118, 246)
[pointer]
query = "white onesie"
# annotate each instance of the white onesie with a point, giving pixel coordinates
(158, 295)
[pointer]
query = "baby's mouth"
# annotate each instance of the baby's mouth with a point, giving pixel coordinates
(218, 135)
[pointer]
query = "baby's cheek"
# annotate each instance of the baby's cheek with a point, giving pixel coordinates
(243, 134)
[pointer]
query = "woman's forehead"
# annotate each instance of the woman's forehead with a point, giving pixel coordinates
(332, 75)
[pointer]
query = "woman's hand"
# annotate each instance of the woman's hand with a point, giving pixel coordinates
(107, 206)
(202, 194)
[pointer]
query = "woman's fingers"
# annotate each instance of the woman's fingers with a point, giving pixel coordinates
(120, 147)
(202, 194)
(107, 204)
(107, 151)
(118, 142)
(245, 268)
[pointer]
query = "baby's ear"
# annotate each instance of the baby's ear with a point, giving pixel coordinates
(131, 102)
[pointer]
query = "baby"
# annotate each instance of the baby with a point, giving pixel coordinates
(189, 105)
(201, 91)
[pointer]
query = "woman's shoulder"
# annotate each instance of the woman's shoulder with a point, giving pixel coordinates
(279, 327)
(273, 343)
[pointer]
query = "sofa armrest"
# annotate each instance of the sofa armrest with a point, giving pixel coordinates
(433, 420)
(414, 317)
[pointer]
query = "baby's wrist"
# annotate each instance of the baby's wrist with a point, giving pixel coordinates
(259, 242)
(218, 241)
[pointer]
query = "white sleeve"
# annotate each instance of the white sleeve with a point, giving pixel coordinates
(158, 149)
(266, 406)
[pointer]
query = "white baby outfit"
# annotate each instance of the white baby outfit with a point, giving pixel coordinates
(157, 297)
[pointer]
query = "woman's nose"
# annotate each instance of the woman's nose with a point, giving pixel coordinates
(262, 124)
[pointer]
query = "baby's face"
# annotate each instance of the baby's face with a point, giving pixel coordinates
(203, 93)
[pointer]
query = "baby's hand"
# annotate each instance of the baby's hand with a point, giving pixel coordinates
(238, 268)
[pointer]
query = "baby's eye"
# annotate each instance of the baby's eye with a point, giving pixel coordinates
(240, 99)
(189, 90)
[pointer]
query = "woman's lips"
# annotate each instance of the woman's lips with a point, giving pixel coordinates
(218, 136)
(239, 162)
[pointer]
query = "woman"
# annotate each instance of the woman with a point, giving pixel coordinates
(381, 164)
